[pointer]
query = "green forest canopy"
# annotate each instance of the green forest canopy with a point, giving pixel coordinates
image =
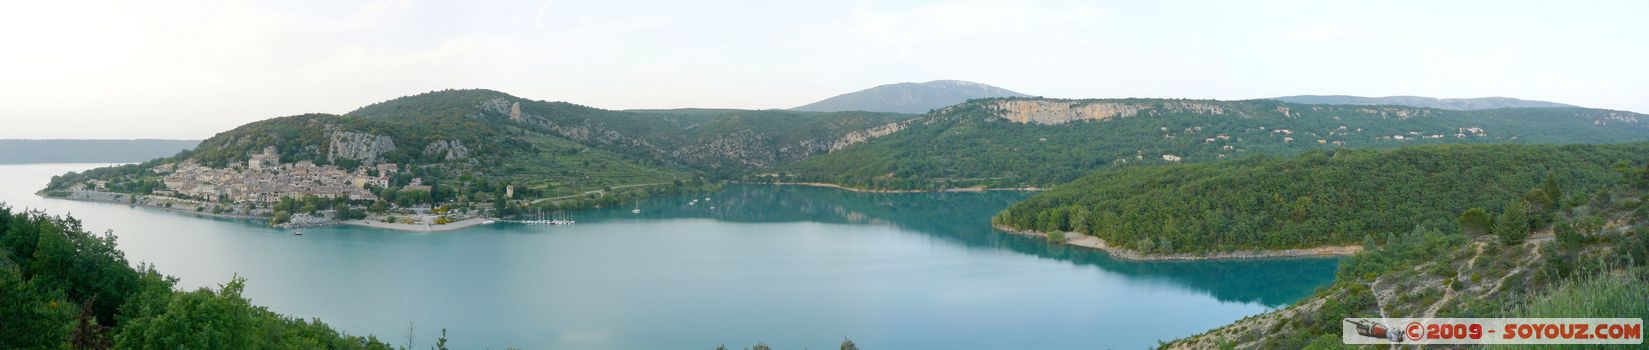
(63, 287)
(1321, 197)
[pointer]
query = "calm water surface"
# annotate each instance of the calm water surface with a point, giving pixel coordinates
(793, 267)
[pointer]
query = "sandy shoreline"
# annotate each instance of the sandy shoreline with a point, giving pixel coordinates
(864, 190)
(1091, 242)
(120, 198)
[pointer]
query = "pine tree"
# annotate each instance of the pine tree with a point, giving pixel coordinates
(500, 204)
(848, 345)
(1513, 225)
(1553, 191)
(1079, 220)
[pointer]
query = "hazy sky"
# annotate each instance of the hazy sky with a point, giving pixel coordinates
(163, 69)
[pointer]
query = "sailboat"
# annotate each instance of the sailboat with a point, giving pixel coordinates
(637, 210)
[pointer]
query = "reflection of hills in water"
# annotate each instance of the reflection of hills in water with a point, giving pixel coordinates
(964, 218)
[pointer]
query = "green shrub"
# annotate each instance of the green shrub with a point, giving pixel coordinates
(1475, 222)
(1602, 296)
(1056, 237)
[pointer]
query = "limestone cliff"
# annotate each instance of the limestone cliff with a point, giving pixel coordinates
(501, 107)
(364, 147)
(1050, 112)
(448, 150)
(862, 136)
(751, 149)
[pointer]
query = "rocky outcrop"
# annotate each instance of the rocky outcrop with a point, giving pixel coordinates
(1394, 112)
(504, 107)
(862, 136)
(364, 147)
(1607, 117)
(497, 105)
(751, 149)
(1059, 112)
(743, 147)
(449, 150)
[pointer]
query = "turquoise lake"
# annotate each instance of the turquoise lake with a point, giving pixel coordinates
(794, 267)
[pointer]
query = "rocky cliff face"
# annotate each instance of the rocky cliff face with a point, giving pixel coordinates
(1604, 118)
(504, 107)
(862, 136)
(500, 106)
(1391, 112)
(751, 149)
(1059, 112)
(742, 147)
(448, 150)
(363, 147)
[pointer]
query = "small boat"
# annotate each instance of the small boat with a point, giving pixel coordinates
(556, 218)
(297, 233)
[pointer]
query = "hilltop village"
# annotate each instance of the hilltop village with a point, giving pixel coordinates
(265, 180)
(297, 194)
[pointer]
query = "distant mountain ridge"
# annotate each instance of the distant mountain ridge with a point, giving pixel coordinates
(910, 98)
(89, 151)
(1461, 104)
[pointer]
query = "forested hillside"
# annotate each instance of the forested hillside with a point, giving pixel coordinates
(1580, 259)
(1319, 198)
(1044, 142)
(481, 139)
(733, 142)
(1419, 101)
(491, 125)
